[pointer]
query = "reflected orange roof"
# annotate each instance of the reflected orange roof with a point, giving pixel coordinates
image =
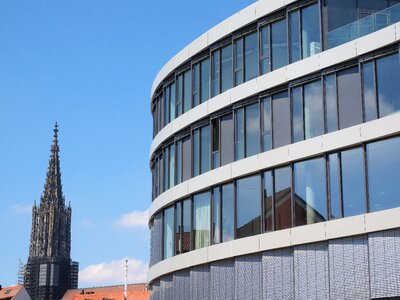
(135, 292)
(9, 291)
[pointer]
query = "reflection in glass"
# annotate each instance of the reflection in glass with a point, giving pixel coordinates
(186, 224)
(310, 35)
(196, 152)
(250, 56)
(353, 182)
(187, 91)
(297, 111)
(248, 206)
(227, 139)
(313, 110)
(252, 129)
(388, 74)
(239, 134)
(186, 158)
(179, 95)
(279, 44)
(179, 162)
(172, 101)
(265, 50)
(294, 36)
(205, 148)
(166, 168)
(331, 103)
(215, 143)
(283, 194)
(178, 228)
(216, 221)
(215, 73)
(226, 66)
(228, 212)
(196, 84)
(370, 107)
(239, 61)
(281, 126)
(201, 220)
(268, 206)
(266, 124)
(168, 232)
(383, 174)
(171, 166)
(310, 191)
(205, 80)
(334, 187)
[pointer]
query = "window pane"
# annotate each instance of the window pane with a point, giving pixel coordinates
(239, 134)
(331, 103)
(179, 162)
(281, 119)
(205, 149)
(168, 232)
(334, 186)
(167, 106)
(238, 61)
(248, 206)
(265, 50)
(201, 221)
(215, 73)
(196, 152)
(228, 212)
(171, 166)
(251, 56)
(297, 109)
(383, 174)
(388, 74)
(310, 191)
(215, 143)
(252, 129)
(350, 106)
(279, 44)
(187, 91)
(186, 223)
(283, 194)
(340, 13)
(353, 183)
(370, 107)
(267, 136)
(313, 110)
(166, 168)
(268, 213)
(226, 64)
(196, 84)
(172, 101)
(310, 34)
(227, 138)
(205, 80)
(179, 95)
(186, 158)
(294, 36)
(178, 228)
(216, 223)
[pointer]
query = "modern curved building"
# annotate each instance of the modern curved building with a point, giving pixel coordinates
(276, 156)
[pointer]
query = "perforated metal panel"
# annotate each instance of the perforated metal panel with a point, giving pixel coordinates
(384, 256)
(311, 274)
(156, 240)
(166, 288)
(155, 291)
(277, 268)
(348, 268)
(182, 285)
(200, 282)
(223, 280)
(248, 277)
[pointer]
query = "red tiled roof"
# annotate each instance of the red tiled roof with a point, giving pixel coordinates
(135, 292)
(10, 291)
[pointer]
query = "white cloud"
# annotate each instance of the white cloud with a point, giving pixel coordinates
(112, 273)
(134, 219)
(21, 209)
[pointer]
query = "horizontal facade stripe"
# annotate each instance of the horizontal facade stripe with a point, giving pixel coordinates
(352, 136)
(324, 231)
(312, 64)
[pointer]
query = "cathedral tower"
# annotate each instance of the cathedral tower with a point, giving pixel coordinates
(50, 271)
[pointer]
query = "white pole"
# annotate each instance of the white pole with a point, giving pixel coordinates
(126, 280)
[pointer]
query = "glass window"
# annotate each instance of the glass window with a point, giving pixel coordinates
(179, 162)
(310, 191)
(201, 221)
(334, 187)
(196, 84)
(226, 68)
(388, 74)
(215, 72)
(283, 195)
(265, 49)
(228, 212)
(383, 174)
(268, 206)
(172, 101)
(340, 12)
(166, 168)
(205, 80)
(216, 223)
(331, 103)
(161, 174)
(239, 134)
(349, 92)
(251, 56)
(297, 111)
(294, 19)
(186, 225)
(196, 152)
(310, 34)
(252, 129)
(186, 158)
(167, 105)
(187, 91)
(215, 143)
(313, 110)
(248, 206)
(282, 124)
(370, 104)
(266, 124)
(179, 95)
(171, 166)
(168, 232)
(178, 227)
(353, 182)
(205, 149)
(279, 44)
(238, 61)
(227, 138)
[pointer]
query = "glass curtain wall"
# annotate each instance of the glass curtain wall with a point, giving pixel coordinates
(201, 220)
(168, 232)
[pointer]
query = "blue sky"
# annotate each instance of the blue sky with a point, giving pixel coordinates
(89, 65)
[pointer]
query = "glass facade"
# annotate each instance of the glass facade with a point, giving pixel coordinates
(201, 220)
